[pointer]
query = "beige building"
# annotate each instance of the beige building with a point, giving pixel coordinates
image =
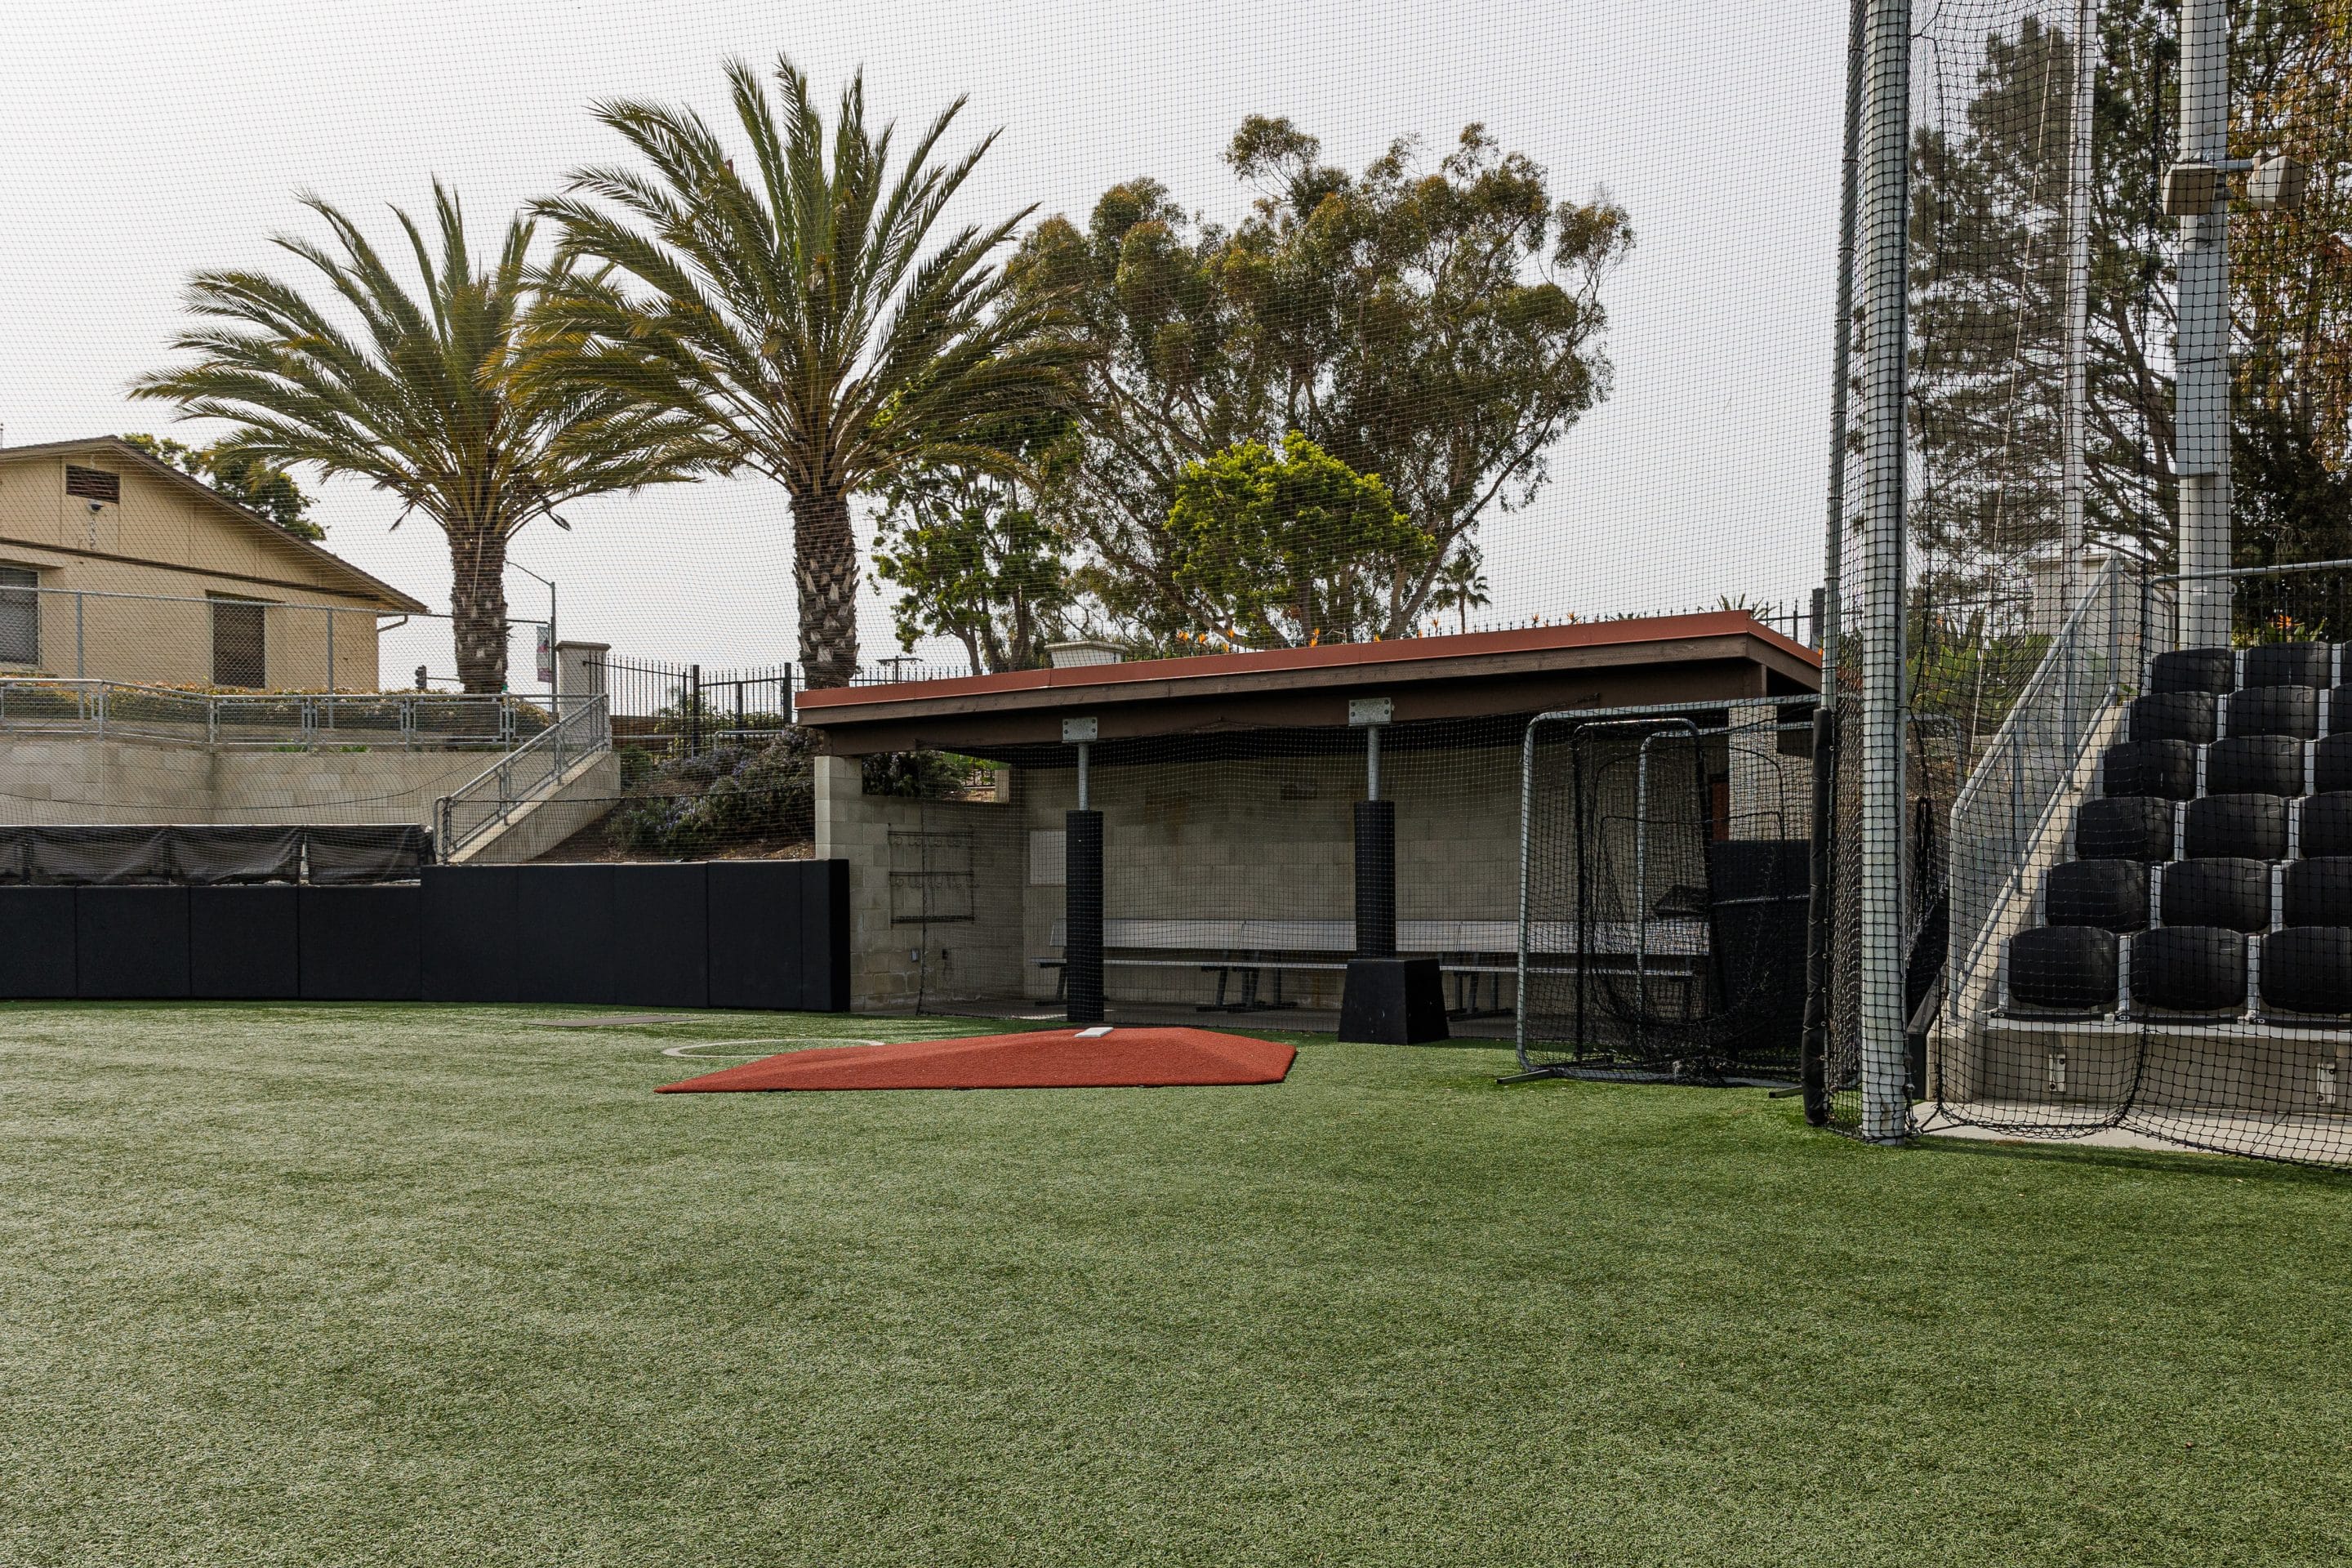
(114, 566)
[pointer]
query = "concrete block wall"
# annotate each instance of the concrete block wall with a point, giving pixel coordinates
(79, 780)
(900, 963)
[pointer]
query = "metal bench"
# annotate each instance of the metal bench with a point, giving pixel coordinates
(1465, 950)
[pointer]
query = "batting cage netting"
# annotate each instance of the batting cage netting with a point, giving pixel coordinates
(1313, 517)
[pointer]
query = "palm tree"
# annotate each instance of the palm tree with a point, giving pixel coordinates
(420, 400)
(1461, 585)
(795, 312)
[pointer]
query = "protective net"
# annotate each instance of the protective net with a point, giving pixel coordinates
(2117, 913)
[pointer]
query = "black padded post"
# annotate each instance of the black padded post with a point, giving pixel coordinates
(1813, 1057)
(1376, 905)
(1082, 918)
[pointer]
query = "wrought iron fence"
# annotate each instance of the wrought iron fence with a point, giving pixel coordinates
(685, 709)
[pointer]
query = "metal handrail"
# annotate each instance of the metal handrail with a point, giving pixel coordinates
(419, 720)
(541, 761)
(2060, 689)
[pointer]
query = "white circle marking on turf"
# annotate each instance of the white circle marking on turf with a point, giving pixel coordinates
(693, 1050)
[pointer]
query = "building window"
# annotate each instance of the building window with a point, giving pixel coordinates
(93, 484)
(238, 655)
(20, 615)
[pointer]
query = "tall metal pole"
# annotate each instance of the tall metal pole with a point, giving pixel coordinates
(1842, 352)
(2201, 393)
(1820, 907)
(2079, 154)
(1884, 216)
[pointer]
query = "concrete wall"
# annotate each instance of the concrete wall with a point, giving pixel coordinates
(898, 958)
(160, 539)
(76, 779)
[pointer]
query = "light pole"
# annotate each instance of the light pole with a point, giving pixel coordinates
(555, 697)
(2197, 192)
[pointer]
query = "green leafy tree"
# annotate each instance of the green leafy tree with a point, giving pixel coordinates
(1278, 549)
(421, 399)
(1438, 325)
(795, 312)
(242, 478)
(1989, 250)
(970, 555)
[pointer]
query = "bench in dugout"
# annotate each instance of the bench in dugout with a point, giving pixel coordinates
(1468, 952)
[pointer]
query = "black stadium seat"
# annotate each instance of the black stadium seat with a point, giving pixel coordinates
(2331, 760)
(2273, 711)
(2189, 969)
(2308, 969)
(2194, 669)
(2062, 969)
(2253, 825)
(2290, 664)
(2129, 827)
(2193, 716)
(2109, 894)
(2163, 768)
(2229, 891)
(2254, 764)
(2317, 894)
(2326, 825)
(2339, 710)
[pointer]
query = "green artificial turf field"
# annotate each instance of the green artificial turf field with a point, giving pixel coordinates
(400, 1285)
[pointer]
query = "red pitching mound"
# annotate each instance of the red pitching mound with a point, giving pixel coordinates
(1048, 1058)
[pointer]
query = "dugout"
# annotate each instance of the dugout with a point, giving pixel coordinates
(1228, 789)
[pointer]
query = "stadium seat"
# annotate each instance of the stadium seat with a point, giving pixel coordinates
(2109, 894)
(2338, 710)
(2290, 664)
(2254, 764)
(2271, 711)
(2317, 894)
(2167, 768)
(2189, 969)
(2325, 825)
(2192, 716)
(2308, 969)
(2331, 761)
(2253, 825)
(2211, 670)
(2126, 827)
(2062, 969)
(2231, 892)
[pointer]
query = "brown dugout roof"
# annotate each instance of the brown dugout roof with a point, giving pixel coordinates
(1598, 664)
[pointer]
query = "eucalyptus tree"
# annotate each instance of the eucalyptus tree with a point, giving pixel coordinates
(417, 393)
(799, 308)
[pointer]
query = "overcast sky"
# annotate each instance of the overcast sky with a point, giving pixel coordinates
(145, 140)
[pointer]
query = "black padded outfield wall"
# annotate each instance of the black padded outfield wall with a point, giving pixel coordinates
(742, 933)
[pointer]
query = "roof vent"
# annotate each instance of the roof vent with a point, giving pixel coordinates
(1081, 653)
